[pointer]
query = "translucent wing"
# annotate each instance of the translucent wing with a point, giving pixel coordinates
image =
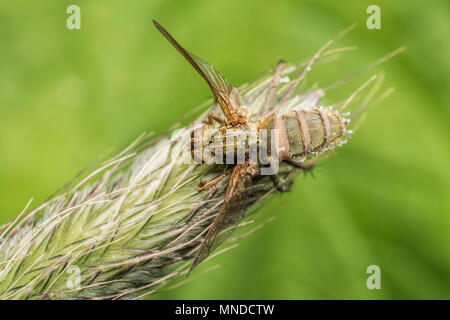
(216, 81)
(229, 216)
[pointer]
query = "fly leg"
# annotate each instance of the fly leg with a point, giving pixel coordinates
(214, 117)
(271, 89)
(206, 185)
(279, 184)
(305, 167)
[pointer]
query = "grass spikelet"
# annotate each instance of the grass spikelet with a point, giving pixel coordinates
(131, 225)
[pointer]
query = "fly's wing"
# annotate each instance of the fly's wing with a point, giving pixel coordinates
(229, 216)
(216, 81)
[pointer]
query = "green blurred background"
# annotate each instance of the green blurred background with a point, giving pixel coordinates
(67, 96)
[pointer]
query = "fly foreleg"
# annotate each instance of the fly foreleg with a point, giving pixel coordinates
(281, 184)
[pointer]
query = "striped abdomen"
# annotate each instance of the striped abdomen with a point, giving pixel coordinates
(304, 131)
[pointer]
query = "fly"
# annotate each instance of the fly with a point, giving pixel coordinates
(301, 132)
